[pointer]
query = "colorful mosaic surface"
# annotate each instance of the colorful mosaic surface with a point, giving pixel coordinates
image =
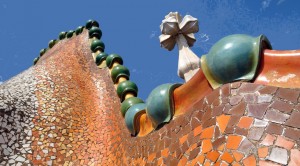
(65, 111)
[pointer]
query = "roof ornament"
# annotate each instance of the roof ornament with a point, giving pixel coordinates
(174, 30)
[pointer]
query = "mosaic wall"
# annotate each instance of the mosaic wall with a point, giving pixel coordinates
(65, 111)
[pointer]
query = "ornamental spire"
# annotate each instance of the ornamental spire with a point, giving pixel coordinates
(174, 30)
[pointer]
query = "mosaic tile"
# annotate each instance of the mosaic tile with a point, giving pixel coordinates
(263, 152)
(222, 122)
(284, 143)
(295, 159)
(233, 142)
(227, 157)
(279, 155)
(250, 161)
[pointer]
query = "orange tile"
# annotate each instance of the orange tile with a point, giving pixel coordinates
(250, 161)
(183, 139)
(207, 163)
(222, 121)
(206, 146)
(151, 156)
(245, 122)
(199, 159)
(237, 155)
(207, 133)
(263, 152)
(283, 142)
(227, 157)
(224, 164)
(221, 147)
(233, 142)
(165, 152)
(160, 161)
(236, 164)
(197, 130)
(183, 161)
(218, 163)
(213, 155)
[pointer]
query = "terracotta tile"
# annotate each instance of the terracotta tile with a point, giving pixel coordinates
(207, 163)
(206, 146)
(250, 161)
(224, 164)
(263, 152)
(213, 155)
(207, 133)
(183, 139)
(200, 159)
(221, 147)
(267, 163)
(233, 142)
(285, 143)
(218, 163)
(182, 161)
(268, 140)
(236, 164)
(222, 122)
(227, 157)
(151, 157)
(245, 122)
(165, 152)
(237, 155)
(197, 130)
(295, 159)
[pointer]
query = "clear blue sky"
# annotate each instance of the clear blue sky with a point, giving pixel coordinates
(131, 29)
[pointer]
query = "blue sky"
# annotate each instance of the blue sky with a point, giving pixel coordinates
(131, 29)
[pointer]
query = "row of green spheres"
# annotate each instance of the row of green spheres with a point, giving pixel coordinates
(159, 106)
(91, 25)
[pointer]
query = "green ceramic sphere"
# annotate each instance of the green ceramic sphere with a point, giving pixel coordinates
(233, 58)
(126, 104)
(62, 35)
(160, 104)
(42, 52)
(119, 71)
(97, 45)
(70, 34)
(51, 43)
(79, 30)
(91, 23)
(36, 60)
(100, 58)
(95, 32)
(126, 87)
(113, 58)
(131, 117)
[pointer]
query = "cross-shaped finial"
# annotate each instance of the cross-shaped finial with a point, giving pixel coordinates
(174, 30)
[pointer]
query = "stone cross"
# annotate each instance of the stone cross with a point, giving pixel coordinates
(174, 30)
